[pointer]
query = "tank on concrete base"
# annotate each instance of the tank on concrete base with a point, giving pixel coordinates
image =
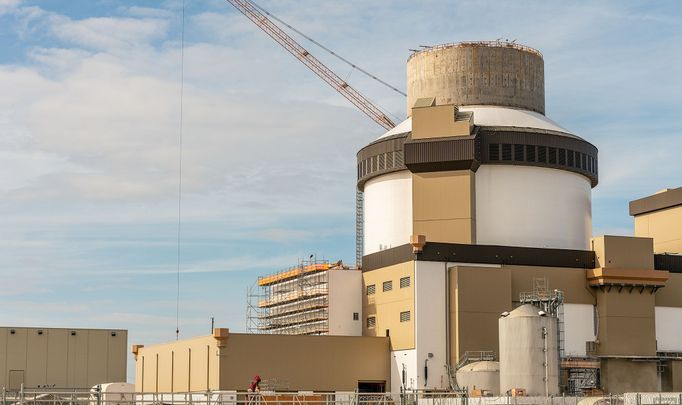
(480, 375)
(529, 355)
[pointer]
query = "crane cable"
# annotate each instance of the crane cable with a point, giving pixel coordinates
(182, 92)
(346, 61)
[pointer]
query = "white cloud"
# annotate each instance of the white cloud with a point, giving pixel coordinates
(109, 33)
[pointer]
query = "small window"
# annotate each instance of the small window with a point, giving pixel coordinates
(404, 282)
(356, 316)
(388, 286)
(371, 322)
(371, 289)
(405, 316)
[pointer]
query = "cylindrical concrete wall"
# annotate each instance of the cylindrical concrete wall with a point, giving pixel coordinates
(387, 211)
(529, 355)
(481, 375)
(533, 207)
(480, 73)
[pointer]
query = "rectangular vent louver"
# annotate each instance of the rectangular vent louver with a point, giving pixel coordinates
(506, 151)
(405, 316)
(494, 151)
(518, 153)
(552, 155)
(404, 282)
(530, 153)
(542, 154)
(562, 157)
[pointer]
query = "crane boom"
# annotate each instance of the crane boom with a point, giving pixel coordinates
(340, 85)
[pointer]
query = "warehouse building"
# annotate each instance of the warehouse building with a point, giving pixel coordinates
(229, 361)
(63, 358)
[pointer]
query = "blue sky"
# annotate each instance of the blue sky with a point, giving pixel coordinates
(89, 125)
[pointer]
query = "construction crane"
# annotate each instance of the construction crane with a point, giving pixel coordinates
(253, 13)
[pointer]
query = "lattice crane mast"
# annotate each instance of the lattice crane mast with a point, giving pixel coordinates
(263, 22)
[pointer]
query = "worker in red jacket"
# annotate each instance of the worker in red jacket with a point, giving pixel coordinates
(255, 384)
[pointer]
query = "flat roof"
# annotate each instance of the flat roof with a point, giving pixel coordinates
(659, 201)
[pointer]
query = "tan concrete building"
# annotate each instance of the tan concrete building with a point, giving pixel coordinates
(228, 361)
(63, 358)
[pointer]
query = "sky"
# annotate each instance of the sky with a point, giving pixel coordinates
(90, 135)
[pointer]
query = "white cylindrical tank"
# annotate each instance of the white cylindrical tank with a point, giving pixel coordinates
(481, 375)
(529, 355)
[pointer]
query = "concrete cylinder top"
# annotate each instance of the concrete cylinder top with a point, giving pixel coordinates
(478, 73)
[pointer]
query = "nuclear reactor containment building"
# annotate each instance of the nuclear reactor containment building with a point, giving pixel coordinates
(478, 203)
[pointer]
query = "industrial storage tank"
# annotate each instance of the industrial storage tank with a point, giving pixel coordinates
(480, 375)
(529, 354)
(531, 178)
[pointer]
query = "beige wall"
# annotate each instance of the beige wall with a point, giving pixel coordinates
(619, 376)
(443, 206)
(437, 122)
(58, 358)
(571, 281)
(387, 306)
(310, 363)
(182, 366)
(478, 295)
(665, 226)
(670, 296)
(623, 252)
(626, 323)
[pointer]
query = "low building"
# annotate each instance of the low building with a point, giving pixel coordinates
(228, 361)
(62, 358)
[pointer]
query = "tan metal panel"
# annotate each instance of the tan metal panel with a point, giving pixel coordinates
(78, 359)
(478, 295)
(117, 357)
(665, 226)
(57, 357)
(443, 206)
(3, 356)
(16, 349)
(36, 358)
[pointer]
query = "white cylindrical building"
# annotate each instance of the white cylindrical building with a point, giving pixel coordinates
(529, 180)
(529, 355)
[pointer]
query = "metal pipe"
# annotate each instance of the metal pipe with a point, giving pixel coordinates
(448, 363)
(544, 338)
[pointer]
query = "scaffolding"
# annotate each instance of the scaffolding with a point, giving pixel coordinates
(294, 301)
